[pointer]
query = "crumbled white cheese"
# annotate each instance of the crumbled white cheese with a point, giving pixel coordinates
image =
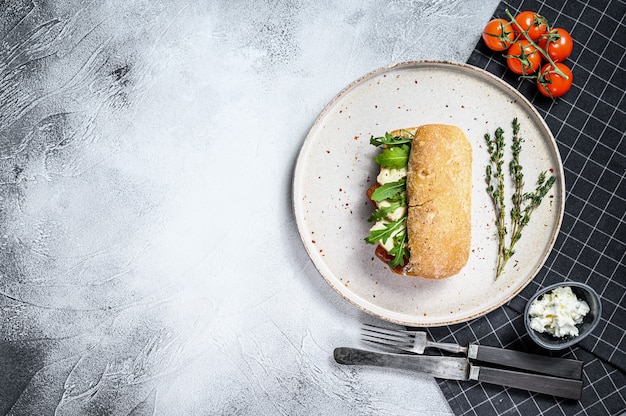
(558, 312)
(388, 175)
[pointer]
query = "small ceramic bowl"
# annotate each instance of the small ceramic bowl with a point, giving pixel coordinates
(590, 321)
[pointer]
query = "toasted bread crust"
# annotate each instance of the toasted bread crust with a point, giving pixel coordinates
(439, 188)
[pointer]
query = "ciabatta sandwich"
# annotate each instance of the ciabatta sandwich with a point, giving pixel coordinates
(423, 201)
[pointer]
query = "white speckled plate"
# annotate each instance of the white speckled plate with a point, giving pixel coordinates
(335, 168)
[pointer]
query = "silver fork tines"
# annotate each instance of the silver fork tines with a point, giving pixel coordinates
(403, 344)
(404, 340)
(388, 344)
(391, 338)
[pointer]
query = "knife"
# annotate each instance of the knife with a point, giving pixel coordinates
(459, 368)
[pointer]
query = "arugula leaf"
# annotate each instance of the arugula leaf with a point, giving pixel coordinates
(390, 140)
(393, 191)
(384, 234)
(382, 212)
(399, 250)
(394, 157)
(397, 231)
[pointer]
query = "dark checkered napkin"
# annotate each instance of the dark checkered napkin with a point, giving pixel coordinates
(589, 124)
(604, 391)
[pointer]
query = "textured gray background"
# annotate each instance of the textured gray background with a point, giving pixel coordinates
(149, 258)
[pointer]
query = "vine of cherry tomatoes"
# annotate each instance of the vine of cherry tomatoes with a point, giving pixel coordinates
(533, 50)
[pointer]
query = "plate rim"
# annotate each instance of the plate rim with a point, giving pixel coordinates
(402, 318)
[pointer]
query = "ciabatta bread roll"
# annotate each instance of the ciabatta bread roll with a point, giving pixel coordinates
(439, 192)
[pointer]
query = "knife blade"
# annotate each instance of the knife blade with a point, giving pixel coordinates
(459, 368)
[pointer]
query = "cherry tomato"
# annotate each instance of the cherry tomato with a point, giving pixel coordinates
(532, 23)
(558, 43)
(552, 84)
(523, 58)
(498, 35)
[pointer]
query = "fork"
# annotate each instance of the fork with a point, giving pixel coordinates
(417, 341)
(410, 341)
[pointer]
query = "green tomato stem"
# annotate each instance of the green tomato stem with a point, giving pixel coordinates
(532, 42)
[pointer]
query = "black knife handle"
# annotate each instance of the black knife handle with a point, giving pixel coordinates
(555, 386)
(555, 366)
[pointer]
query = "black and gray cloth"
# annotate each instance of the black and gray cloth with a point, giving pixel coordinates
(589, 124)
